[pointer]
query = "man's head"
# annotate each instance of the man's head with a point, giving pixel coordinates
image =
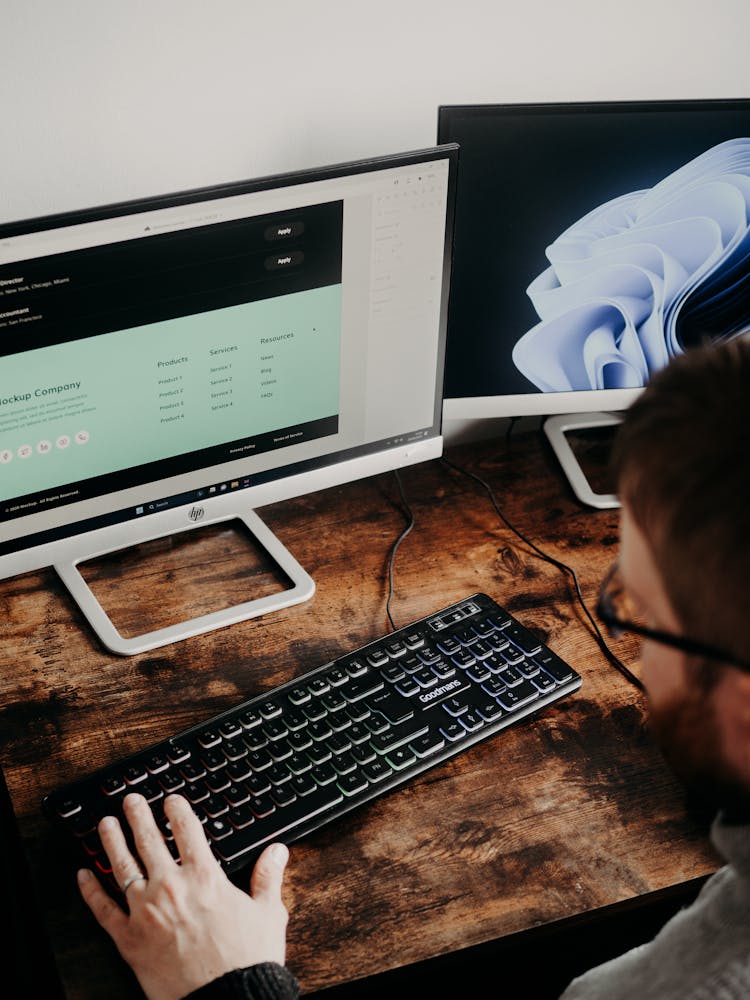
(682, 466)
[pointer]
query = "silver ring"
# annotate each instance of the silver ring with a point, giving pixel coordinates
(129, 881)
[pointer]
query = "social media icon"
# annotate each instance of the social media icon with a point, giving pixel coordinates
(63, 441)
(43, 447)
(82, 437)
(6, 456)
(25, 451)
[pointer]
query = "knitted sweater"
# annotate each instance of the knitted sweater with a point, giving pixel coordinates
(265, 981)
(702, 953)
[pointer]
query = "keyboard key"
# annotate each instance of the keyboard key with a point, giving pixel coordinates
(362, 686)
(471, 721)
(554, 666)
(394, 709)
(355, 668)
(395, 649)
(318, 686)
(351, 784)
(68, 807)
(303, 784)
(483, 628)
(377, 770)
(157, 762)
(113, 785)
(230, 729)
(323, 774)
(510, 676)
(522, 638)
(249, 719)
(427, 744)
(407, 687)
(337, 676)
(299, 696)
(518, 696)
(489, 710)
(453, 731)
(270, 709)
(400, 758)
(283, 795)
(134, 774)
(543, 681)
(177, 752)
(241, 816)
(396, 736)
(209, 738)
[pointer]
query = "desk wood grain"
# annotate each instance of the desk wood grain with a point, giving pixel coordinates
(569, 813)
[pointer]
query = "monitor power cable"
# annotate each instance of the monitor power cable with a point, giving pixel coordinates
(563, 567)
(392, 559)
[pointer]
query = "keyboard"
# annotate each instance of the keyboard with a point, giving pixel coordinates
(285, 762)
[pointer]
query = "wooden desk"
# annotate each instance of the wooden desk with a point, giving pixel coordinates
(557, 818)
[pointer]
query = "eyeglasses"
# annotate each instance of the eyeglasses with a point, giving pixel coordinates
(618, 613)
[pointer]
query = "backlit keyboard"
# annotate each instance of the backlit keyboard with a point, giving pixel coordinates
(294, 758)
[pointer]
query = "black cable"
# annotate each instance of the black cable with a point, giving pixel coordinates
(613, 659)
(394, 550)
(511, 424)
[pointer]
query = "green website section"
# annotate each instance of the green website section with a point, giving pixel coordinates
(119, 400)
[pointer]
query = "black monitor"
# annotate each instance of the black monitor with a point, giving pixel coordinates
(594, 241)
(180, 360)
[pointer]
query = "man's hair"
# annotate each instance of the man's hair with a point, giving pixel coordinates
(681, 462)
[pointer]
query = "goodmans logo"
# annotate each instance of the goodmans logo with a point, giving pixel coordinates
(440, 692)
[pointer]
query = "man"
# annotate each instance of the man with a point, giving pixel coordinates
(682, 464)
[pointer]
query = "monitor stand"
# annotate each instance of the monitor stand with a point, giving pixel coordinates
(297, 587)
(556, 428)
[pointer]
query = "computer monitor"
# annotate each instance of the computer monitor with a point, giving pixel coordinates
(180, 360)
(594, 241)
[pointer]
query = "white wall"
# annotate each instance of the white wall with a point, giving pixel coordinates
(103, 101)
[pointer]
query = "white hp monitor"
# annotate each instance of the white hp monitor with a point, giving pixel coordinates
(182, 360)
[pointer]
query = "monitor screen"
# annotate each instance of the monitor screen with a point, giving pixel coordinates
(593, 242)
(192, 356)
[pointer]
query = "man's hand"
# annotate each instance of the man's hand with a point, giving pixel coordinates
(188, 924)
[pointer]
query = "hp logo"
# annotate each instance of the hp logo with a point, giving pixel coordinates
(196, 513)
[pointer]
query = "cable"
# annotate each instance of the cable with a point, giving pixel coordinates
(396, 544)
(613, 659)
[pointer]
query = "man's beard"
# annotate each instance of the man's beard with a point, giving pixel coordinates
(688, 734)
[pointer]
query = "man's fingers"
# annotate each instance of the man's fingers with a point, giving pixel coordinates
(124, 864)
(149, 841)
(108, 914)
(268, 874)
(188, 832)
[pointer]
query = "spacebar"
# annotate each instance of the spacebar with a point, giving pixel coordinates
(285, 818)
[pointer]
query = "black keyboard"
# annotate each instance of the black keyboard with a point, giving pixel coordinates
(294, 758)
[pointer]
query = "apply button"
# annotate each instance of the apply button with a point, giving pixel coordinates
(281, 261)
(284, 230)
